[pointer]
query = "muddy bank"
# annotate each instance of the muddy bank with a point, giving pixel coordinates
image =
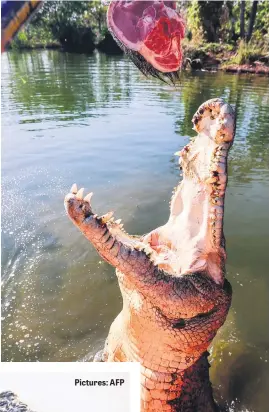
(256, 68)
(228, 58)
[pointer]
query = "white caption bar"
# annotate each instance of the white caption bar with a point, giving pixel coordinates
(69, 387)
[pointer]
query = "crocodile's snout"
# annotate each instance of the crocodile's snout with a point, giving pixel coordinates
(77, 207)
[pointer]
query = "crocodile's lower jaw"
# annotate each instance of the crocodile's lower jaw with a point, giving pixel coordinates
(174, 294)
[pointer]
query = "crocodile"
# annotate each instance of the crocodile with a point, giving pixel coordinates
(172, 280)
(9, 402)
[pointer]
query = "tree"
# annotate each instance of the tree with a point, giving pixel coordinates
(252, 19)
(242, 18)
(210, 13)
(96, 12)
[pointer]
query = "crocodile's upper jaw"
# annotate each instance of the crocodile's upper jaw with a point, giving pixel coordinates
(192, 240)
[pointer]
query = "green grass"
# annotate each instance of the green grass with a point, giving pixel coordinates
(246, 54)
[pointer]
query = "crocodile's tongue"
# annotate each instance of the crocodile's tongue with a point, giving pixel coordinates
(153, 29)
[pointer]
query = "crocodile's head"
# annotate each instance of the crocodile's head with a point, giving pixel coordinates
(178, 268)
(150, 32)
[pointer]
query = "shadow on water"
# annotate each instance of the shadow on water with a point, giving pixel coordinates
(96, 121)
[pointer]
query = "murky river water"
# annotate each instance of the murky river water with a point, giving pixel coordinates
(97, 122)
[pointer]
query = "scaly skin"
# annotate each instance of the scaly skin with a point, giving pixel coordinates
(9, 402)
(175, 296)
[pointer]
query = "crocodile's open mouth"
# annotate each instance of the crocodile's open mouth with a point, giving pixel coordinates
(150, 32)
(192, 239)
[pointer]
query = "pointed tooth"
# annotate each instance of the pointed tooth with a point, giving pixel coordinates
(148, 249)
(121, 226)
(118, 221)
(80, 193)
(177, 153)
(107, 217)
(211, 180)
(88, 197)
(74, 189)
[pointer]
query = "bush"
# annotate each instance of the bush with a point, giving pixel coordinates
(33, 37)
(247, 53)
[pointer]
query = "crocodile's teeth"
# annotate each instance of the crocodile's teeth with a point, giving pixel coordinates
(177, 153)
(121, 226)
(147, 249)
(88, 197)
(105, 218)
(118, 221)
(74, 189)
(80, 193)
(211, 180)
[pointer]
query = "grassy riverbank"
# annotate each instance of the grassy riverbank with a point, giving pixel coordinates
(241, 57)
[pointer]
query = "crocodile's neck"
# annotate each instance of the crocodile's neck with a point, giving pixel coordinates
(173, 379)
(188, 391)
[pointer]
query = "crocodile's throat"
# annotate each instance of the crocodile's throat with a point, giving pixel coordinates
(175, 296)
(192, 239)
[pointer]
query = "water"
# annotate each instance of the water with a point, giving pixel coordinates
(96, 121)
